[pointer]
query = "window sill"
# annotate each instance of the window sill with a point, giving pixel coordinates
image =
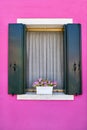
(54, 96)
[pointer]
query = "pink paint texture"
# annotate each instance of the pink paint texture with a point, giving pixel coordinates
(41, 115)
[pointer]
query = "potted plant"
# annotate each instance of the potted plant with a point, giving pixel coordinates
(44, 86)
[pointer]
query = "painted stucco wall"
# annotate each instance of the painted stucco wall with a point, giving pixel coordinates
(41, 115)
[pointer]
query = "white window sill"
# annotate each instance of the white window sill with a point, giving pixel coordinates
(55, 96)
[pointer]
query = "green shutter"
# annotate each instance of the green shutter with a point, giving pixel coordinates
(72, 59)
(16, 38)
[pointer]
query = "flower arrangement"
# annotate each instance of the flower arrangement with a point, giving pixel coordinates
(41, 82)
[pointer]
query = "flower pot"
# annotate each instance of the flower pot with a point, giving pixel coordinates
(44, 90)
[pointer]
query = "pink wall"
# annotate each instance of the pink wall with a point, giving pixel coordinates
(41, 115)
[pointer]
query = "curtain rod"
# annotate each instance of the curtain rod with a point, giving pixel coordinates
(45, 29)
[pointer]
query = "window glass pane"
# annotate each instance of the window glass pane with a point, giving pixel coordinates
(45, 57)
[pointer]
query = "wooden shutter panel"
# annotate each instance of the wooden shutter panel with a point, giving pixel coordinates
(72, 59)
(16, 34)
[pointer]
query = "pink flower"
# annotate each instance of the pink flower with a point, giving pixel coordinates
(41, 82)
(55, 83)
(40, 79)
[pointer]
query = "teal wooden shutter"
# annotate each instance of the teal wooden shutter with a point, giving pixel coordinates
(16, 38)
(72, 59)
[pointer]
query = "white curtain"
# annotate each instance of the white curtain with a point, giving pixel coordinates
(45, 57)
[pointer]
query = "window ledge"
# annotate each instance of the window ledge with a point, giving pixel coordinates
(54, 96)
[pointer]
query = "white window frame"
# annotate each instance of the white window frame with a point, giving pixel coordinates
(45, 21)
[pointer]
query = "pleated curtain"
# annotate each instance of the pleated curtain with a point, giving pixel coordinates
(45, 57)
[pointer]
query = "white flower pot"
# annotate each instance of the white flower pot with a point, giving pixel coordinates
(44, 90)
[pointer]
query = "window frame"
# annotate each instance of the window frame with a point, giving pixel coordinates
(45, 21)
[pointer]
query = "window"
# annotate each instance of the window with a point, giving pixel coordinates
(44, 56)
(62, 61)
